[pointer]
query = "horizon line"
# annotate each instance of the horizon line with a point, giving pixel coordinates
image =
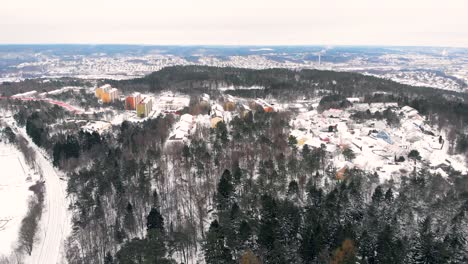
(232, 45)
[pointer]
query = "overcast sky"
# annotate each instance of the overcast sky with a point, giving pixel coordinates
(236, 22)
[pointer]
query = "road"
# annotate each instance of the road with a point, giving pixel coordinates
(54, 219)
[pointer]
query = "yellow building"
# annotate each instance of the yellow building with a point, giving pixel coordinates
(106, 93)
(144, 107)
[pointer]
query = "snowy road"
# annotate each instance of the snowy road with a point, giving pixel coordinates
(53, 218)
(53, 224)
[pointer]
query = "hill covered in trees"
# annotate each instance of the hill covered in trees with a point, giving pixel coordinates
(242, 192)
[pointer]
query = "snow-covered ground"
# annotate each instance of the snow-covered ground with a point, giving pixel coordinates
(421, 78)
(55, 224)
(409, 67)
(15, 179)
(374, 142)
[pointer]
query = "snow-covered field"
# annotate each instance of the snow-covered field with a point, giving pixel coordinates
(14, 194)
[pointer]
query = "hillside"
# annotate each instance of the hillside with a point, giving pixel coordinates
(235, 165)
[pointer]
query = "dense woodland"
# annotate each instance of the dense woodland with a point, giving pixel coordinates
(243, 192)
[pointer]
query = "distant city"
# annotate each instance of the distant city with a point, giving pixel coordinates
(443, 68)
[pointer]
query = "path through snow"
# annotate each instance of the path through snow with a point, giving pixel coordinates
(53, 224)
(54, 217)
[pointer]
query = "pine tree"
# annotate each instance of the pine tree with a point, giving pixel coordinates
(155, 248)
(456, 243)
(215, 250)
(245, 232)
(225, 190)
(108, 259)
(129, 218)
(388, 249)
(378, 195)
(154, 220)
(426, 248)
(389, 195)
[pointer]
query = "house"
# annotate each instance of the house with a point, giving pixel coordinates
(268, 109)
(266, 106)
(244, 110)
(132, 101)
(183, 128)
(205, 98)
(340, 174)
(144, 107)
(353, 99)
(215, 120)
(187, 118)
(324, 138)
(229, 106)
(384, 136)
(107, 94)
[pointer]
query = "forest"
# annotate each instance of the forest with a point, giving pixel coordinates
(242, 192)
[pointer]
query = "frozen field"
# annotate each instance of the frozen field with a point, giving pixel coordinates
(14, 195)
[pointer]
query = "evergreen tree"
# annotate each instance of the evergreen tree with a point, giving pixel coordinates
(426, 248)
(154, 220)
(456, 243)
(388, 249)
(129, 218)
(225, 191)
(108, 259)
(215, 250)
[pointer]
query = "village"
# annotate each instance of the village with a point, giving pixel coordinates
(139, 107)
(375, 144)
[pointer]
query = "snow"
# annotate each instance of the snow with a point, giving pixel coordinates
(231, 88)
(27, 94)
(183, 128)
(375, 152)
(14, 195)
(61, 90)
(98, 126)
(55, 223)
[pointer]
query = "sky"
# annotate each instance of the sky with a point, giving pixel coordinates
(236, 22)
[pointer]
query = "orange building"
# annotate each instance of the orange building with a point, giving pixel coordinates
(268, 109)
(132, 101)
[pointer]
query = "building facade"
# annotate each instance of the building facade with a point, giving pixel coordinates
(132, 101)
(144, 107)
(107, 94)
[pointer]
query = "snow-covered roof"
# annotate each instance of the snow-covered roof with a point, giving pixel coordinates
(407, 108)
(145, 100)
(186, 118)
(106, 86)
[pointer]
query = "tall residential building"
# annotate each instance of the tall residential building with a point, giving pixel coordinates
(132, 101)
(144, 107)
(107, 94)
